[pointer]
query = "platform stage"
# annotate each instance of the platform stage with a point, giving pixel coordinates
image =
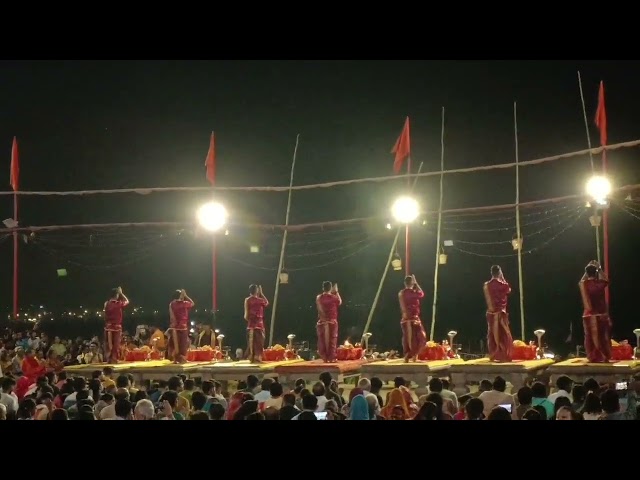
(517, 372)
(163, 369)
(311, 370)
(579, 369)
(416, 372)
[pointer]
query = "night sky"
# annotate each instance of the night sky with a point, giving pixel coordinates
(92, 125)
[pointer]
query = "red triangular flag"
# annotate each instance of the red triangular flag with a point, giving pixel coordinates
(210, 162)
(15, 166)
(402, 148)
(601, 116)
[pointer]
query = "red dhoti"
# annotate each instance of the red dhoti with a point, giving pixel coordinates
(414, 338)
(597, 338)
(112, 339)
(255, 344)
(327, 340)
(499, 340)
(178, 344)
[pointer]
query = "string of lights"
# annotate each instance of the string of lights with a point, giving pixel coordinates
(529, 251)
(545, 218)
(543, 210)
(526, 234)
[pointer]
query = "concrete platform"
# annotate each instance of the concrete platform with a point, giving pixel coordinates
(311, 370)
(516, 372)
(579, 369)
(417, 372)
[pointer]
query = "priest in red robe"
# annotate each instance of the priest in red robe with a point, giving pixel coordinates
(327, 304)
(179, 326)
(254, 306)
(113, 325)
(499, 340)
(595, 315)
(414, 338)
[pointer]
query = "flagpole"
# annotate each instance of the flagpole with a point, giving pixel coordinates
(518, 230)
(407, 240)
(605, 213)
(437, 265)
(15, 258)
(394, 247)
(284, 244)
(593, 168)
(214, 243)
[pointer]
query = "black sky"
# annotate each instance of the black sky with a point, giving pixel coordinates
(108, 124)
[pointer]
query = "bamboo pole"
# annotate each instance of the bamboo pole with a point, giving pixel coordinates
(518, 230)
(394, 248)
(593, 167)
(437, 267)
(284, 244)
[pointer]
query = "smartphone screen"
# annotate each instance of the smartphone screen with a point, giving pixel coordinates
(506, 406)
(622, 385)
(321, 415)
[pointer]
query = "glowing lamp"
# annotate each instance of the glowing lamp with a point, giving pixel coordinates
(599, 189)
(365, 340)
(212, 216)
(442, 258)
(284, 277)
(220, 339)
(595, 220)
(405, 210)
(290, 337)
(254, 249)
(396, 263)
(516, 243)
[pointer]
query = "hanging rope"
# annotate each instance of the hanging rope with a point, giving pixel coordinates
(147, 191)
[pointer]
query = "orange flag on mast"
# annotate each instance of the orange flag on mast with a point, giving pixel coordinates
(15, 166)
(210, 162)
(402, 148)
(601, 116)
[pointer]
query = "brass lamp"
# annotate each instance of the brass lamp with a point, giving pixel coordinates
(540, 350)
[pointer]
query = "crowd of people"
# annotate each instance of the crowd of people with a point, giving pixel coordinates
(104, 396)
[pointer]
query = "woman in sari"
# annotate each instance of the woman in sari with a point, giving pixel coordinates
(428, 411)
(359, 409)
(353, 394)
(395, 399)
(249, 407)
(374, 405)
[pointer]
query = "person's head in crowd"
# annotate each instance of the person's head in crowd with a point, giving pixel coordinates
(266, 383)
(560, 402)
(144, 410)
(610, 401)
(473, 409)
(27, 409)
(578, 393)
(435, 385)
(564, 383)
(307, 415)
(318, 389)
(172, 397)
(399, 382)
(499, 384)
(288, 399)
(325, 377)
(276, 390)
(198, 401)
(59, 414)
(531, 414)
(542, 411)
(499, 413)
(525, 396)
(207, 388)
(300, 382)
(216, 411)
(199, 416)
(175, 384)
(85, 413)
(539, 390)
(255, 416)
(242, 385)
(189, 384)
(246, 409)
(309, 402)
(123, 409)
(592, 385)
(252, 382)
(485, 385)
(122, 382)
(592, 404)
(376, 385)
(271, 413)
(365, 384)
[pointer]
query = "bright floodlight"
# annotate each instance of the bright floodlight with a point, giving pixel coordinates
(212, 216)
(599, 188)
(405, 210)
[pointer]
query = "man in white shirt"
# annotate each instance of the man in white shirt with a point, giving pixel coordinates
(449, 399)
(497, 397)
(365, 385)
(319, 392)
(7, 397)
(264, 394)
(109, 412)
(564, 385)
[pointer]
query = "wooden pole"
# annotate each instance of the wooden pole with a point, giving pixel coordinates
(393, 250)
(523, 334)
(438, 241)
(593, 167)
(284, 244)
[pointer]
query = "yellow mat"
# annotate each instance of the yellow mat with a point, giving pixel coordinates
(261, 366)
(411, 365)
(119, 366)
(515, 365)
(583, 362)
